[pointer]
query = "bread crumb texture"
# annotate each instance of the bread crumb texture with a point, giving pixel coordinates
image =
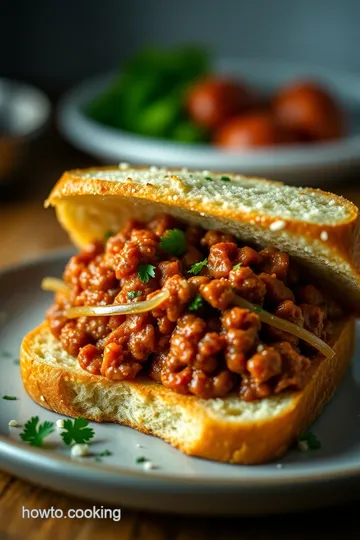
(234, 191)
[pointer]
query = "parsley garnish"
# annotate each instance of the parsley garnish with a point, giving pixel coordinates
(238, 265)
(258, 309)
(105, 453)
(196, 303)
(134, 294)
(10, 398)
(102, 454)
(108, 235)
(311, 439)
(174, 242)
(225, 178)
(17, 361)
(197, 267)
(141, 459)
(34, 434)
(146, 271)
(77, 431)
(208, 178)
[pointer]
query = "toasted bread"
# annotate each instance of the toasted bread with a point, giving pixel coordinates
(225, 429)
(317, 228)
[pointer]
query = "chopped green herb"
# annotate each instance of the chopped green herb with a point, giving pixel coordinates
(238, 265)
(311, 439)
(258, 309)
(108, 235)
(105, 453)
(196, 303)
(141, 459)
(174, 242)
(10, 398)
(77, 431)
(34, 434)
(102, 454)
(17, 361)
(225, 178)
(208, 178)
(134, 294)
(146, 271)
(197, 267)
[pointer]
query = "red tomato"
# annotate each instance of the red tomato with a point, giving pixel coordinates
(251, 130)
(213, 101)
(310, 111)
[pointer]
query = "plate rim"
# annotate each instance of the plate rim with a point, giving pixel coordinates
(18, 452)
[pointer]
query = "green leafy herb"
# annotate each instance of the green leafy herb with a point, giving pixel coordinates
(105, 453)
(10, 398)
(258, 309)
(102, 454)
(148, 95)
(174, 242)
(225, 178)
(208, 178)
(146, 271)
(35, 434)
(196, 303)
(77, 431)
(197, 267)
(311, 439)
(141, 459)
(238, 265)
(17, 361)
(134, 294)
(108, 235)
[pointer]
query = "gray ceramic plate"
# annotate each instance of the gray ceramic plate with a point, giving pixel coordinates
(179, 483)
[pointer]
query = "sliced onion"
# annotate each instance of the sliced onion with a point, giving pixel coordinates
(56, 285)
(118, 309)
(286, 326)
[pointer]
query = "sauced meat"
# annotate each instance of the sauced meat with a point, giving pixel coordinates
(289, 311)
(273, 261)
(221, 259)
(248, 284)
(197, 341)
(218, 293)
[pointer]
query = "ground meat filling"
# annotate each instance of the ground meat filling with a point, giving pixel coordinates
(197, 342)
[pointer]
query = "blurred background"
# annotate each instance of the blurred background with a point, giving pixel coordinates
(60, 43)
(54, 46)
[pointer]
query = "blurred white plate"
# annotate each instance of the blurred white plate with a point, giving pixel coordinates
(307, 164)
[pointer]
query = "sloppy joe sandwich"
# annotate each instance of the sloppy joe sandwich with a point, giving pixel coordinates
(212, 310)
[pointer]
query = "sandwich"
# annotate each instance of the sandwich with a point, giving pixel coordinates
(211, 310)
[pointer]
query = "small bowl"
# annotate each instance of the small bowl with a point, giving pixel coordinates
(24, 113)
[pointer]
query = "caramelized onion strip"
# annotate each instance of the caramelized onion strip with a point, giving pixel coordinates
(56, 285)
(118, 309)
(286, 326)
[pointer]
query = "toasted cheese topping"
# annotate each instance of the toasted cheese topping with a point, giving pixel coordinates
(233, 191)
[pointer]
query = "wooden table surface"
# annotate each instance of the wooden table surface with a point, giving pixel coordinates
(24, 224)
